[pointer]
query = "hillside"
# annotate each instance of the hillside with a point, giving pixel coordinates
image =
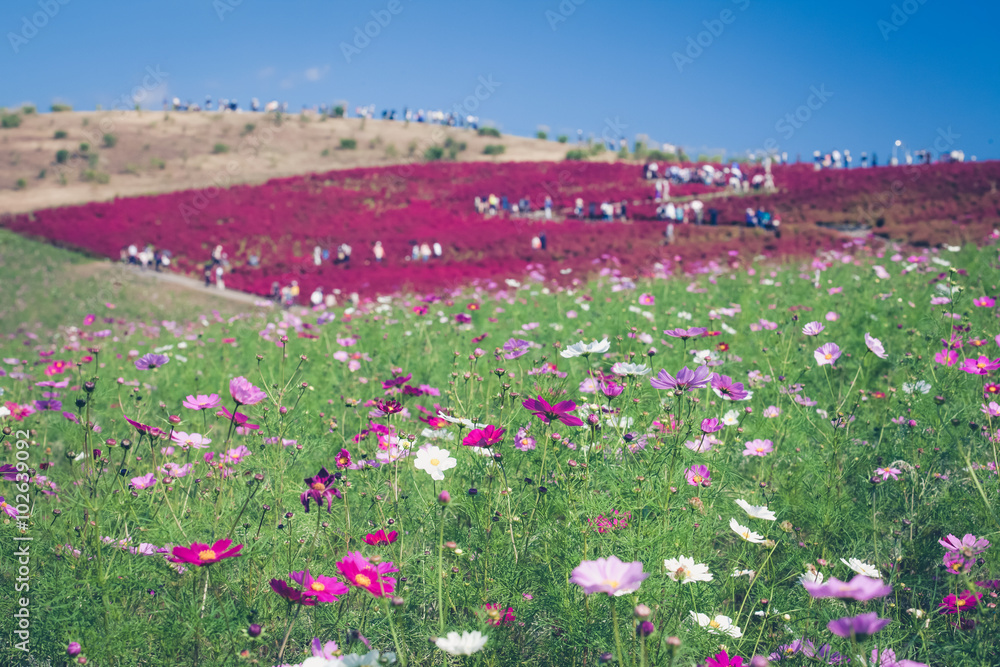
(155, 152)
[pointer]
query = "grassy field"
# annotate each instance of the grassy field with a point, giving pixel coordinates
(838, 462)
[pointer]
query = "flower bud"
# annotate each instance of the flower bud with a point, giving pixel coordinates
(254, 630)
(646, 629)
(73, 649)
(642, 611)
(174, 419)
(444, 497)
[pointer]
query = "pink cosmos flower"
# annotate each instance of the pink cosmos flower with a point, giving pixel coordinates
(758, 448)
(148, 362)
(711, 425)
(956, 563)
(860, 588)
(859, 627)
(646, 299)
(323, 589)
(202, 402)
(969, 545)
(723, 659)
(965, 602)
(827, 354)
(832, 316)
(7, 508)
(362, 573)
(695, 475)
(875, 345)
(685, 334)
(608, 575)
(193, 440)
(991, 410)
(321, 486)
(145, 482)
(203, 554)
(946, 357)
(686, 380)
(486, 436)
(980, 366)
(813, 329)
(547, 413)
(380, 537)
(726, 389)
(886, 473)
(771, 411)
(244, 393)
(984, 302)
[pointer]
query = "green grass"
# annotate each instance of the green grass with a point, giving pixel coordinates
(536, 514)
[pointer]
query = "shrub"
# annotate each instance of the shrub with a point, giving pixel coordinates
(60, 134)
(248, 128)
(58, 107)
(28, 109)
(84, 147)
(93, 159)
(494, 149)
(576, 154)
(157, 163)
(110, 140)
(42, 174)
(489, 132)
(62, 156)
(434, 153)
(10, 120)
(660, 156)
(325, 152)
(391, 152)
(348, 144)
(562, 138)
(338, 111)
(21, 184)
(220, 148)
(94, 176)
(542, 134)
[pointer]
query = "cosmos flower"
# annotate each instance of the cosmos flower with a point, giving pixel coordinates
(696, 475)
(487, 436)
(466, 643)
(875, 345)
(203, 554)
(963, 602)
(723, 659)
(686, 571)
(547, 413)
(726, 389)
(380, 537)
(720, 625)
(756, 511)
(646, 299)
(968, 546)
(858, 628)
(758, 448)
(685, 334)
(686, 380)
(861, 567)
(7, 508)
(320, 487)
(827, 354)
(631, 370)
(202, 402)
(981, 366)
(515, 347)
(323, 589)
(362, 573)
(583, 349)
(608, 575)
(860, 588)
(746, 533)
(244, 393)
(343, 459)
(193, 440)
(145, 482)
(813, 329)
(434, 461)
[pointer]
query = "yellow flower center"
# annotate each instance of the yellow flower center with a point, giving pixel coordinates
(828, 356)
(207, 554)
(960, 602)
(697, 479)
(746, 535)
(435, 462)
(362, 580)
(613, 583)
(318, 486)
(714, 624)
(317, 586)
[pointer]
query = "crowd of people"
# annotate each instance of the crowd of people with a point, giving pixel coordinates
(148, 257)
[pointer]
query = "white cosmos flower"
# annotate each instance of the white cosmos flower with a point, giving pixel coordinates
(745, 532)
(756, 511)
(731, 418)
(465, 644)
(434, 461)
(583, 349)
(439, 434)
(686, 571)
(811, 577)
(720, 625)
(467, 423)
(913, 387)
(4, 412)
(622, 368)
(744, 573)
(861, 567)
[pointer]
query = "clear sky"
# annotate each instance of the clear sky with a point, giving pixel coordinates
(706, 75)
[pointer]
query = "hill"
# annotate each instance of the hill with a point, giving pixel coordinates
(150, 152)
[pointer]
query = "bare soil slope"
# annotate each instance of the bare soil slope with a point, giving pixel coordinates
(155, 151)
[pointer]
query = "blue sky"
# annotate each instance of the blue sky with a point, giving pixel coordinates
(709, 75)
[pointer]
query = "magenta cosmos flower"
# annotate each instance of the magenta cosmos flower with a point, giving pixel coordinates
(964, 602)
(685, 334)
(875, 345)
(980, 366)
(984, 302)
(380, 537)
(860, 627)
(827, 354)
(860, 588)
(968, 546)
(547, 413)
(320, 486)
(244, 393)
(723, 659)
(484, 437)
(202, 402)
(7, 508)
(686, 380)
(323, 589)
(646, 299)
(364, 574)
(608, 575)
(149, 362)
(726, 389)
(203, 554)
(946, 357)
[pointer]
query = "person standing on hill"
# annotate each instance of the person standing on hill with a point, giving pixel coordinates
(378, 251)
(317, 256)
(219, 282)
(548, 207)
(437, 250)
(425, 251)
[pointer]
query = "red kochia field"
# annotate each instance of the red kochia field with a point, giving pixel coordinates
(282, 220)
